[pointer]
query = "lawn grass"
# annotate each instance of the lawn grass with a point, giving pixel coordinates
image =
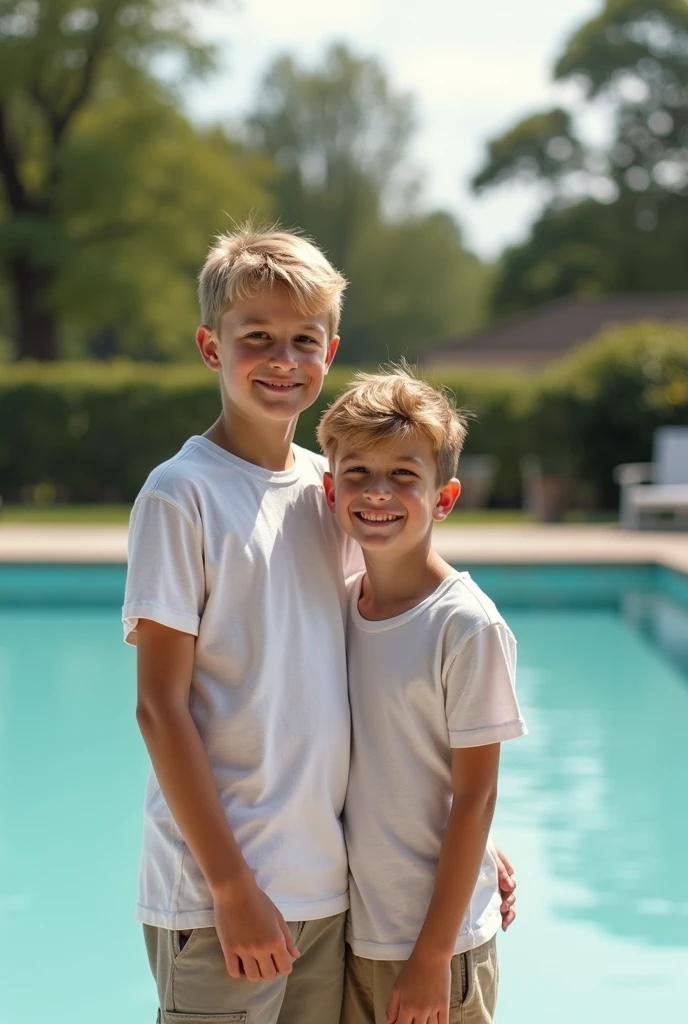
(488, 517)
(119, 515)
(70, 514)
(514, 516)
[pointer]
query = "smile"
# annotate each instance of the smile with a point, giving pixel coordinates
(377, 517)
(276, 385)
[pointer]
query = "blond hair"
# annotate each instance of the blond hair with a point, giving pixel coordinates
(242, 262)
(386, 408)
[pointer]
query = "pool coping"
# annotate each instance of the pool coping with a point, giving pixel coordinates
(522, 544)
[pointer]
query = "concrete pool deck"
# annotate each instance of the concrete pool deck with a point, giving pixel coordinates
(528, 543)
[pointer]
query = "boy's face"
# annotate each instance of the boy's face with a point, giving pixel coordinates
(272, 359)
(387, 497)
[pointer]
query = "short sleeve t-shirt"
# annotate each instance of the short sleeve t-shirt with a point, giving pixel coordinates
(438, 676)
(252, 563)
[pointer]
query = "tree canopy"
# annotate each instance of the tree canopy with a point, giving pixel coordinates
(615, 216)
(339, 135)
(108, 195)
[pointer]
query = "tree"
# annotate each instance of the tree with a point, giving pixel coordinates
(412, 282)
(163, 189)
(92, 148)
(339, 135)
(614, 218)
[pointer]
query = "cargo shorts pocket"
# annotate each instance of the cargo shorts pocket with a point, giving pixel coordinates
(182, 944)
(172, 1017)
(459, 980)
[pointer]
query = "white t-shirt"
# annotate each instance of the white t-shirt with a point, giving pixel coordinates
(438, 676)
(251, 562)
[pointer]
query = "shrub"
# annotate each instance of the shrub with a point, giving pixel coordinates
(601, 405)
(92, 431)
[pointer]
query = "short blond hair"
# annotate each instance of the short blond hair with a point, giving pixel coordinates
(386, 408)
(242, 262)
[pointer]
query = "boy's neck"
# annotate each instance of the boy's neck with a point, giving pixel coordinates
(394, 585)
(266, 445)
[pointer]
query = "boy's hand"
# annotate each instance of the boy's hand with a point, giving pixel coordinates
(507, 888)
(422, 992)
(253, 934)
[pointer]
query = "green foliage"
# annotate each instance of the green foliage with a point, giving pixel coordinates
(542, 146)
(165, 188)
(109, 196)
(644, 39)
(601, 405)
(614, 219)
(339, 135)
(337, 129)
(413, 283)
(95, 430)
(92, 432)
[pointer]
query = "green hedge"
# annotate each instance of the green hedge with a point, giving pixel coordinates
(92, 432)
(601, 405)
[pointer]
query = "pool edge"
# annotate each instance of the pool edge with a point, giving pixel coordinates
(536, 544)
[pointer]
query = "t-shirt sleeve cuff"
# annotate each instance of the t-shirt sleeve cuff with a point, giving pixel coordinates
(483, 737)
(185, 622)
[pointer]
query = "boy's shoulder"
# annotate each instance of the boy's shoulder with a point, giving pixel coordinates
(173, 479)
(313, 460)
(200, 467)
(465, 610)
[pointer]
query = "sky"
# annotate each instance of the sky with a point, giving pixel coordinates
(474, 69)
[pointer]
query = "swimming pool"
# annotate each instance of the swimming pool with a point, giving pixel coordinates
(591, 805)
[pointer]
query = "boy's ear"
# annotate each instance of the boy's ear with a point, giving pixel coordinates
(328, 484)
(446, 500)
(331, 352)
(208, 347)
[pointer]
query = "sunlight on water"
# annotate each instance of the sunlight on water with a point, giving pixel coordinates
(72, 771)
(590, 811)
(591, 804)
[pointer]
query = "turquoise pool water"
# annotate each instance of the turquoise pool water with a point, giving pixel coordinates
(592, 804)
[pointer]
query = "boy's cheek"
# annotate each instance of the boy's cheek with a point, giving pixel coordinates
(343, 512)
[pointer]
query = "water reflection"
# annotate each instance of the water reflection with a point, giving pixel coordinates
(663, 620)
(591, 804)
(72, 769)
(604, 776)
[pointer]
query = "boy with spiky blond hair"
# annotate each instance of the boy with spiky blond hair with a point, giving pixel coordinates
(431, 667)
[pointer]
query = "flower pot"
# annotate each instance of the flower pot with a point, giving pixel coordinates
(551, 497)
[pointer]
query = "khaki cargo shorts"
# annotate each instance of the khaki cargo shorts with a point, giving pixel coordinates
(195, 988)
(368, 986)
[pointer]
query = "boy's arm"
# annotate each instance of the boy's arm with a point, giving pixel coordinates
(249, 926)
(422, 989)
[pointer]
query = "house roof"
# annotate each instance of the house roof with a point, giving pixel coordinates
(546, 333)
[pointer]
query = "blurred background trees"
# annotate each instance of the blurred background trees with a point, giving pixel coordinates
(615, 215)
(110, 193)
(339, 136)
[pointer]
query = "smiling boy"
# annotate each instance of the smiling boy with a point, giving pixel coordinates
(235, 599)
(431, 667)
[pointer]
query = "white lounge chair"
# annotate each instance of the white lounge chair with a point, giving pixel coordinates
(657, 486)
